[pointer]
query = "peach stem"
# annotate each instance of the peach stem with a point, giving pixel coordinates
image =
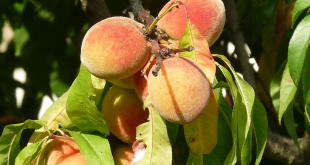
(153, 25)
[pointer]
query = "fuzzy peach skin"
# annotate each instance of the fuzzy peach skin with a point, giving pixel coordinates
(123, 111)
(180, 92)
(114, 48)
(124, 83)
(123, 154)
(64, 152)
(139, 83)
(207, 15)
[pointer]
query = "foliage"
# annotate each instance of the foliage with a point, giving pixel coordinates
(48, 50)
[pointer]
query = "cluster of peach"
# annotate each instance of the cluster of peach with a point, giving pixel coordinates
(116, 49)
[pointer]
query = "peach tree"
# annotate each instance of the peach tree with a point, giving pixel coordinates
(143, 85)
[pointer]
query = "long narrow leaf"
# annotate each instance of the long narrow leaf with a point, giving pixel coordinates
(297, 49)
(260, 126)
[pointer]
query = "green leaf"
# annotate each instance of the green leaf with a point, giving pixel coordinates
(172, 129)
(9, 141)
(230, 80)
(287, 92)
(224, 108)
(275, 87)
(221, 84)
(247, 96)
(290, 124)
(297, 49)
(224, 143)
(240, 117)
(153, 133)
(21, 37)
(307, 107)
(26, 156)
(81, 107)
(201, 134)
(232, 156)
(56, 114)
(260, 126)
(246, 152)
(306, 76)
(201, 54)
(194, 159)
(94, 146)
(299, 7)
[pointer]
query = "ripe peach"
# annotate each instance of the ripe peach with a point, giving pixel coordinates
(180, 92)
(114, 48)
(123, 154)
(123, 111)
(207, 15)
(64, 152)
(139, 83)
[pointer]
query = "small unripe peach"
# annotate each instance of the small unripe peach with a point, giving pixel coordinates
(207, 15)
(64, 152)
(180, 92)
(124, 83)
(114, 48)
(123, 154)
(123, 112)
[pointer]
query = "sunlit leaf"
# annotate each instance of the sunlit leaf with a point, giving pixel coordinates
(154, 134)
(28, 153)
(201, 134)
(297, 51)
(56, 114)
(81, 107)
(95, 147)
(9, 140)
(201, 53)
(260, 126)
(300, 6)
(306, 76)
(287, 92)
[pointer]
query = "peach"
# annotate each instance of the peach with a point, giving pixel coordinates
(64, 152)
(207, 15)
(139, 83)
(124, 83)
(123, 154)
(114, 48)
(123, 111)
(180, 92)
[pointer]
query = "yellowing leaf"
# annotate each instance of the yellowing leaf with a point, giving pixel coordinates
(201, 53)
(201, 134)
(154, 134)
